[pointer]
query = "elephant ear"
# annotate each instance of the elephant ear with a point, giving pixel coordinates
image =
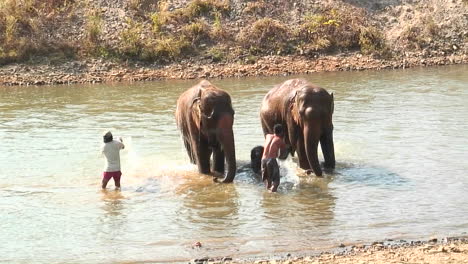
(293, 111)
(196, 109)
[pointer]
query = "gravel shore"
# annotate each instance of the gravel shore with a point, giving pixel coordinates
(434, 251)
(99, 71)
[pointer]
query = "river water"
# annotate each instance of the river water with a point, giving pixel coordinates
(401, 146)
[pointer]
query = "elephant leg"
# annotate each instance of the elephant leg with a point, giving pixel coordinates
(218, 160)
(188, 147)
(203, 154)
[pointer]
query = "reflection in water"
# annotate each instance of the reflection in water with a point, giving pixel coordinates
(113, 217)
(210, 206)
(112, 201)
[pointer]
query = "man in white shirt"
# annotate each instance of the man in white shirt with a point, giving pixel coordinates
(111, 150)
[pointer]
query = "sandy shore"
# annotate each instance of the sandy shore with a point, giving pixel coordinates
(98, 71)
(434, 251)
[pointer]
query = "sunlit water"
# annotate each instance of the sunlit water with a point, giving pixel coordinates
(401, 143)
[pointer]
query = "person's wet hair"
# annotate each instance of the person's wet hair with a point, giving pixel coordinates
(278, 129)
(108, 137)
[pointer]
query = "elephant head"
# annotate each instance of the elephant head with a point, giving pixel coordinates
(309, 122)
(205, 116)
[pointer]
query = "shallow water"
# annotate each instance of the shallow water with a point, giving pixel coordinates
(401, 146)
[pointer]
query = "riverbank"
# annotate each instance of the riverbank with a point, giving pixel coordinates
(100, 71)
(433, 251)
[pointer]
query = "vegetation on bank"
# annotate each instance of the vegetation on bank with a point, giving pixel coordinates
(155, 31)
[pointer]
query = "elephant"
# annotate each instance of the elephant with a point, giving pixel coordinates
(205, 117)
(305, 111)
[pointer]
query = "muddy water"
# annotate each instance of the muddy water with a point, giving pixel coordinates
(401, 147)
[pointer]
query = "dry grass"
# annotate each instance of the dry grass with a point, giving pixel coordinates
(265, 36)
(420, 34)
(256, 8)
(131, 43)
(372, 41)
(164, 31)
(23, 26)
(197, 32)
(331, 29)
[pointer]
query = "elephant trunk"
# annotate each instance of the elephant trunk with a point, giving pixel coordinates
(226, 138)
(311, 139)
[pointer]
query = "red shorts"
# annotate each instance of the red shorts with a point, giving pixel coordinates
(107, 175)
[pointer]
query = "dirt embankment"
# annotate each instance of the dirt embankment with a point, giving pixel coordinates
(113, 41)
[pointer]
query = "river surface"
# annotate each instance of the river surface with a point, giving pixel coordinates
(401, 145)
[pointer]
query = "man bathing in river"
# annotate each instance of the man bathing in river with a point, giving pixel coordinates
(274, 147)
(111, 150)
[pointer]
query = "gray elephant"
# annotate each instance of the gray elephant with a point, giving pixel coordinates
(205, 117)
(305, 111)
